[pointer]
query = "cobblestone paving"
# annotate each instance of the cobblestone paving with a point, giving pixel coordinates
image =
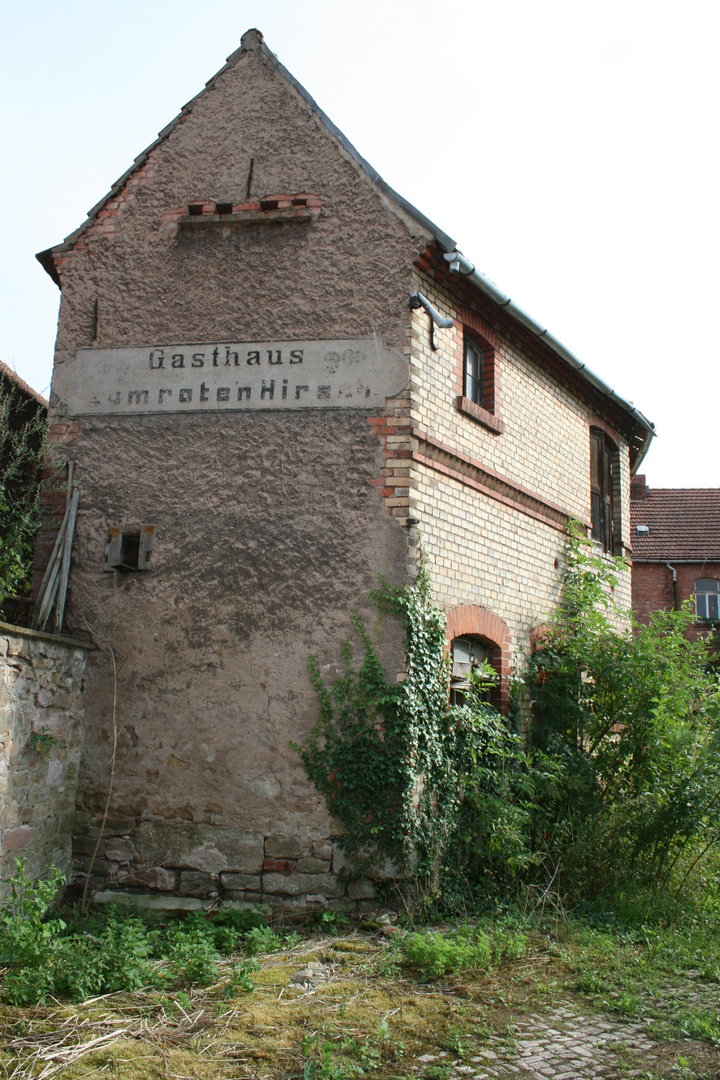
(563, 1045)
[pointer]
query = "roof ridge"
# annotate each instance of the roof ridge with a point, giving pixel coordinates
(24, 388)
(251, 41)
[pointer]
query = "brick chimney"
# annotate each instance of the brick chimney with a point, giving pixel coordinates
(638, 489)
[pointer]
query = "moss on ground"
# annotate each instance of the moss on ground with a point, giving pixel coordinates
(365, 1015)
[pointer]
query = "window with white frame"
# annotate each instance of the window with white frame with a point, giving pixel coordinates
(707, 599)
(474, 373)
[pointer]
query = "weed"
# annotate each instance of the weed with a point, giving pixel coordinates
(453, 1041)
(41, 743)
(240, 978)
(333, 921)
(438, 954)
(262, 939)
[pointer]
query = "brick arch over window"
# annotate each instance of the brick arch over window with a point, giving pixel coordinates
(598, 422)
(471, 620)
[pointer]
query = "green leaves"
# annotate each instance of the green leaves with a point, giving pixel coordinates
(23, 437)
(382, 754)
(628, 714)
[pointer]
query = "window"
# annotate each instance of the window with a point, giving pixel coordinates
(473, 381)
(605, 491)
(478, 397)
(129, 550)
(707, 599)
(468, 654)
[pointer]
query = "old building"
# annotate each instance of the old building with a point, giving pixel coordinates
(676, 551)
(276, 378)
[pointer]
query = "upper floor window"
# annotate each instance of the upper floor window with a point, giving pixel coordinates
(605, 492)
(474, 381)
(707, 599)
(479, 391)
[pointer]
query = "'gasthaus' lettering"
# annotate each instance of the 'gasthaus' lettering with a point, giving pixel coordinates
(257, 375)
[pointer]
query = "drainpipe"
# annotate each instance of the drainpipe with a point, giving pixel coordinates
(675, 588)
(436, 319)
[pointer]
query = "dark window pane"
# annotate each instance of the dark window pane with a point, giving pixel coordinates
(473, 374)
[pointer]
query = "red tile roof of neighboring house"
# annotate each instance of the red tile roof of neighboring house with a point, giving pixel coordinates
(683, 523)
(23, 387)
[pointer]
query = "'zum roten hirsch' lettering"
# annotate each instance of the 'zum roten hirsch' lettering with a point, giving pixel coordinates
(160, 359)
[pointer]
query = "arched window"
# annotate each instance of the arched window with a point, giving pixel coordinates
(468, 654)
(707, 599)
(473, 635)
(605, 491)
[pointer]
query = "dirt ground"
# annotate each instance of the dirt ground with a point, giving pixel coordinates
(339, 1007)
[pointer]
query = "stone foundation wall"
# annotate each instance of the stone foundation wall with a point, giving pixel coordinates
(189, 867)
(41, 726)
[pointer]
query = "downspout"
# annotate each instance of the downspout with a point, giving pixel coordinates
(460, 265)
(675, 588)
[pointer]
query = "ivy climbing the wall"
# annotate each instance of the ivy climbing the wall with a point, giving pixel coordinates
(392, 759)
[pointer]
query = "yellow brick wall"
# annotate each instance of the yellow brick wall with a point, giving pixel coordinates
(483, 551)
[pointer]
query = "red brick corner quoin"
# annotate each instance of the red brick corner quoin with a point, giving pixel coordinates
(471, 620)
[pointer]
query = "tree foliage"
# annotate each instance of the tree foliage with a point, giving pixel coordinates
(625, 719)
(22, 447)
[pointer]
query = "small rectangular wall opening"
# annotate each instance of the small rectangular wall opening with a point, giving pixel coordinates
(129, 552)
(195, 209)
(223, 208)
(268, 204)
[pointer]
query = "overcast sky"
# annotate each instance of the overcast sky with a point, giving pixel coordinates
(571, 149)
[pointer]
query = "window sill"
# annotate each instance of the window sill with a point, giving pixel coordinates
(481, 416)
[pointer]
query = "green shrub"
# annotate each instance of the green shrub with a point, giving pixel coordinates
(437, 954)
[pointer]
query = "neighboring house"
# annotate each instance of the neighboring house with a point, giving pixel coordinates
(676, 551)
(278, 379)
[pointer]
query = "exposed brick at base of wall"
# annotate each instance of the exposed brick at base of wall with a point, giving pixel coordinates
(652, 588)
(182, 864)
(41, 720)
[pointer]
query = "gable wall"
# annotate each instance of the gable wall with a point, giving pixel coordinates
(269, 529)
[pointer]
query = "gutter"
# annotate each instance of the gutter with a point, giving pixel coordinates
(459, 264)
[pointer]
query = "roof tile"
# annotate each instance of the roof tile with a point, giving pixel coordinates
(683, 523)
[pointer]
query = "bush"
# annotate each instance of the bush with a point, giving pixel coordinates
(613, 790)
(625, 741)
(465, 948)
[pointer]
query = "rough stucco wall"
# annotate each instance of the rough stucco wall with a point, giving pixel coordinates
(41, 694)
(267, 530)
(259, 556)
(347, 274)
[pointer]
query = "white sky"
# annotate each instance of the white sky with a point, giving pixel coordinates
(571, 149)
